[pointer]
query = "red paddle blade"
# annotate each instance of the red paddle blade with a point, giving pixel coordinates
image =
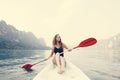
(87, 42)
(27, 66)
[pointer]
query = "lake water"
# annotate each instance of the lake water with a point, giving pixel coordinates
(96, 64)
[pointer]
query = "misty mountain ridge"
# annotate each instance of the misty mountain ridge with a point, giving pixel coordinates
(110, 43)
(11, 38)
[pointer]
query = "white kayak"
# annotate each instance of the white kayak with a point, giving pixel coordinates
(71, 73)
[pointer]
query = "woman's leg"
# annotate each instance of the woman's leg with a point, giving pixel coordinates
(57, 57)
(54, 60)
(62, 63)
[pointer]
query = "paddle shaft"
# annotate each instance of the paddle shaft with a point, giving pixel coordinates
(39, 62)
(47, 59)
(84, 43)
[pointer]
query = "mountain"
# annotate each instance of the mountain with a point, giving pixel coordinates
(11, 38)
(110, 43)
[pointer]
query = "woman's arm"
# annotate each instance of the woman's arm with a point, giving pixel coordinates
(50, 54)
(64, 46)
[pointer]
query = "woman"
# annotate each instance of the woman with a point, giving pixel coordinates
(58, 52)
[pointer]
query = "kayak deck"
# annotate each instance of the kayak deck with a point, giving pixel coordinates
(71, 73)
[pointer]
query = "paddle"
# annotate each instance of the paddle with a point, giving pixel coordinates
(84, 43)
(28, 66)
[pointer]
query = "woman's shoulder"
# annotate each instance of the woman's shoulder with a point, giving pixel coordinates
(63, 44)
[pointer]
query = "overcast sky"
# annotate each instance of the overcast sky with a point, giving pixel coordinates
(74, 20)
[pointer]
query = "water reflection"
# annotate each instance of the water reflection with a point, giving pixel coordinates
(18, 54)
(12, 60)
(95, 63)
(114, 56)
(98, 64)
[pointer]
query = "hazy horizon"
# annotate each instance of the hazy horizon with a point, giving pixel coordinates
(73, 20)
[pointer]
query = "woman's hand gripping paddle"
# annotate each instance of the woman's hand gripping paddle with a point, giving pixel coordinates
(84, 43)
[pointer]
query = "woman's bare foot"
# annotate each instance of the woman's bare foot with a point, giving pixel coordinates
(62, 70)
(59, 70)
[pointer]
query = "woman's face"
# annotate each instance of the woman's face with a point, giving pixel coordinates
(58, 38)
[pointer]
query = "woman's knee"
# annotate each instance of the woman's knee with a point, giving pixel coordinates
(62, 59)
(54, 60)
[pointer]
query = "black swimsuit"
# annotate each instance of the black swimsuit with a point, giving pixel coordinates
(59, 50)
